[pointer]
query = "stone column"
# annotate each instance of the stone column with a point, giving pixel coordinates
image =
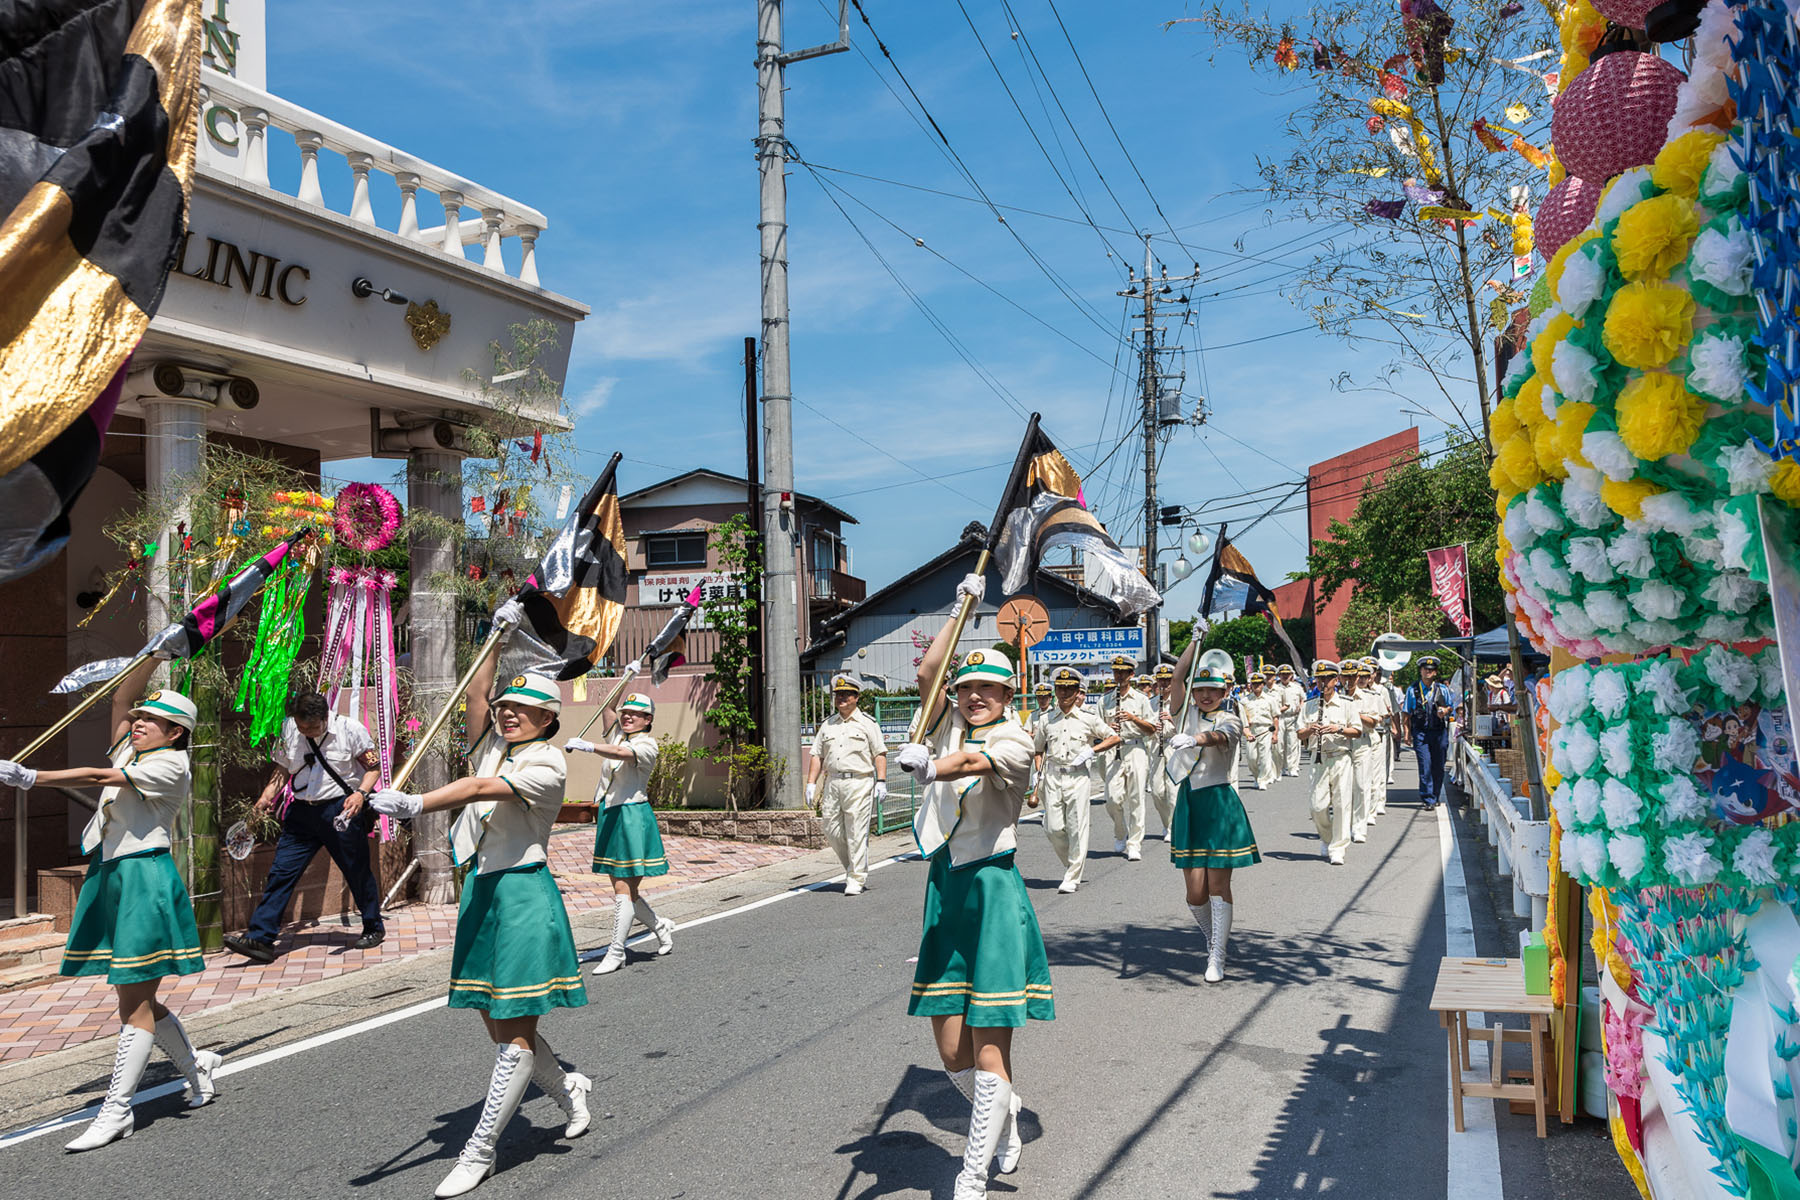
(434, 485)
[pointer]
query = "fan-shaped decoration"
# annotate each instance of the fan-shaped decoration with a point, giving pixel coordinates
(1564, 213)
(1615, 115)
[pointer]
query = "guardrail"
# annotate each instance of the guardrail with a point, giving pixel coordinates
(1523, 845)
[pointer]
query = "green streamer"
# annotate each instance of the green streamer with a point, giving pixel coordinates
(279, 631)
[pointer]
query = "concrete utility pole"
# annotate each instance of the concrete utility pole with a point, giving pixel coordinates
(782, 602)
(1151, 377)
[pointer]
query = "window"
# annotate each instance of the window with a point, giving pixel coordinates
(824, 551)
(664, 550)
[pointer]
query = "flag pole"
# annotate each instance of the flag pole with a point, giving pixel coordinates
(487, 651)
(92, 698)
(611, 700)
(928, 700)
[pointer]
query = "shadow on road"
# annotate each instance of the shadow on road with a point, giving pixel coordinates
(884, 1162)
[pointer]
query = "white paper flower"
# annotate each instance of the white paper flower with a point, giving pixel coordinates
(1733, 592)
(1549, 573)
(1732, 673)
(1572, 369)
(1689, 858)
(1676, 747)
(1717, 627)
(1628, 852)
(1587, 558)
(1657, 601)
(1622, 806)
(1768, 665)
(1569, 692)
(1718, 367)
(1573, 621)
(1607, 610)
(1735, 534)
(1671, 511)
(1581, 284)
(1563, 801)
(1609, 454)
(1581, 499)
(1541, 516)
(1754, 858)
(1516, 527)
(1708, 551)
(1747, 469)
(1722, 171)
(1655, 633)
(1630, 554)
(1681, 800)
(1518, 369)
(1625, 190)
(1585, 795)
(1615, 749)
(1590, 855)
(1570, 850)
(1608, 694)
(1724, 259)
(1661, 682)
(1549, 400)
(1580, 748)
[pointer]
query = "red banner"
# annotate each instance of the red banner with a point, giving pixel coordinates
(1450, 584)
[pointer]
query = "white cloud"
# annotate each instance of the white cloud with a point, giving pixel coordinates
(594, 396)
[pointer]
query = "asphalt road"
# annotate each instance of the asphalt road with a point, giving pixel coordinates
(771, 1055)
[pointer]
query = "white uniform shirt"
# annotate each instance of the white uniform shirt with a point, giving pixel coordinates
(1258, 713)
(502, 834)
(344, 741)
(628, 781)
(1377, 703)
(1137, 704)
(1063, 735)
(975, 815)
(136, 816)
(1336, 711)
(848, 747)
(1217, 764)
(1292, 697)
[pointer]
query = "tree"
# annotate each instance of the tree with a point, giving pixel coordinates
(1366, 619)
(1242, 637)
(1180, 634)
(1415, 136)
(748, 766)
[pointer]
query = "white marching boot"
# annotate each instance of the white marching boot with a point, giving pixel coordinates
(662, 927)
(114, 1121)
(987, 1116)
(615, 953)
(570, 1091)
(1012, 1146)
(512, 1074)
(196, 1067)
(1221, 930)
(1202, 914)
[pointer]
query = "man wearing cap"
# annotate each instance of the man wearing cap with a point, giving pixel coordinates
(1396, 720)
(1330, 725)
(1128, 712)
(1377, 705)
(1064, 744)
(1428, 704)
(329, 763)
(849, 755)
(1161, 791)
(1290, 696)
(1260, 713)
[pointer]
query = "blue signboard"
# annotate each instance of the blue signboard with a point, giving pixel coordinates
(1088, 645)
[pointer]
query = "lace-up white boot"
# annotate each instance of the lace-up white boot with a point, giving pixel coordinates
(114, 1121)
(196, 1066)
(512, 1074)
(570, 1091)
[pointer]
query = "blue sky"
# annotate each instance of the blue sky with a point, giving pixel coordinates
(630, 126)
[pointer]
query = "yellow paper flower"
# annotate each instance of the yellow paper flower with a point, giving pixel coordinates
(1785, 482)
(1503, 488)
(1503, 422)
(1552, 778)
(1544, 447)
(1554, 269)
(1571, 422)
(1627, 498)
(1658, 416)
(1653, 236)
(1519, 462)
(1541, 346)
(1680, 164)
(1558, 172)
(1528, 405)
(1648, 324)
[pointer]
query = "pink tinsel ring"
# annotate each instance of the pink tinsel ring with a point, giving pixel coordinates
(1614, 115)
(1565, 212)
(368, 516)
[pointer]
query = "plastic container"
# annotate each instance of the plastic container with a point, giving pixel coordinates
(1535, 956)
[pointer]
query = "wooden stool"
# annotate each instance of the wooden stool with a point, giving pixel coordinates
(1491, 985)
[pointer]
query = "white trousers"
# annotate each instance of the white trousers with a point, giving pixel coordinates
(1331, 802)
(1392, 750)
(847, 806)
(1159, 789)
(1262, 757)
(1125, 794)
(1362, 800)
(1377, 783)
(1067, 797)
(1289, 755)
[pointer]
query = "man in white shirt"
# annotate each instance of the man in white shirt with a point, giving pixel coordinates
(1129, 714)
(849, 758)
(1291, 696)
(331, 765)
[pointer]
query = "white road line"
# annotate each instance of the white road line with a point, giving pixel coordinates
(51, 1125)
(1473, 1156)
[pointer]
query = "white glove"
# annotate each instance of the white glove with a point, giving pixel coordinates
(15, 776)
(576, 745)
(511, 613)
(1083, 757)
(396, 804)
(916, 761)
(973, 586)
(1182, 741)
(880, 790)
(812, 792)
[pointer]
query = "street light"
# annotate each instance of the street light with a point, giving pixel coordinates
(1180, 569)
(1201, 543)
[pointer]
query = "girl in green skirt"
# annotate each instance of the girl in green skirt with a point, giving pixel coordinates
(982, 970)
(134, 922)
(1211, 833)
(627, 844)
(514, 957)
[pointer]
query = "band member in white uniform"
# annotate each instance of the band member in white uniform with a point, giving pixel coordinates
(847, 778)
(1065, 742)
(1259, 710)
(1378, 704)
(1329, 726)
(1292, 696)
(1130, 715)
(1162, 791)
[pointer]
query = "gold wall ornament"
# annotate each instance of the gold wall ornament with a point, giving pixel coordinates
(428, 323)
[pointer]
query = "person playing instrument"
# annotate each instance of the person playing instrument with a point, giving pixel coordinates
(1064, 745)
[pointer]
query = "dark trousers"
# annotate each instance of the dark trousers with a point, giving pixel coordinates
(1430, 749)
(304, 831)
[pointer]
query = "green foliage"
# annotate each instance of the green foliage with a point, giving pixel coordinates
(1180, 634)
(668, 782)
(1011, 652)
(1300, 632)
(1242, 637)
(751, 773)
(1365, 619)
(733, 619)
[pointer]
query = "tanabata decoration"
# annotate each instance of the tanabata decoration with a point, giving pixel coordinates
(367, 517)
(281, 627)
(295, 510)
(358, 662)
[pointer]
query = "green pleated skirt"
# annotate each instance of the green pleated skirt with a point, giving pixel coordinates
(133, 921)
(627, 843)
(1211, 829)
(981, 956)
(515, 953)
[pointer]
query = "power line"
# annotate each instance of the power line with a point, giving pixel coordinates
(916, 187)
(885, 453)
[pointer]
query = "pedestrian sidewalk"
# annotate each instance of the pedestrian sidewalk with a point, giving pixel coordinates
(68, 1012)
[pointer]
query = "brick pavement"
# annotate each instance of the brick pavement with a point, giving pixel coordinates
(68, 1012)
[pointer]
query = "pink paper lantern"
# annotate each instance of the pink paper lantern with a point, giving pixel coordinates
(1615, 115)
(1629, 13)
(1565, 212)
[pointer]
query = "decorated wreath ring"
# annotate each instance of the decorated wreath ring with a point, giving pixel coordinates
(368, 515)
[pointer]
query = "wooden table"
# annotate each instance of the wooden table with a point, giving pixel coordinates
(1491, 985)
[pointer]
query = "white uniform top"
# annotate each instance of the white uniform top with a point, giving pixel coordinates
(848, 747)
(1377, 703)
(1258, 713)
(343, 742)
(1336, 711)
(975, 815)
(1216, 764)
(136, 815)
(628, 782)
(1137, 704)
(1060, 736)
(501, 834)
(1292, 697)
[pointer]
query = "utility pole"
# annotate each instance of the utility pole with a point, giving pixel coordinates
(1151, 377)
(782, 602)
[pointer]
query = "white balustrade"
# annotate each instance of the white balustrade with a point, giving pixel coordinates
(501, 217)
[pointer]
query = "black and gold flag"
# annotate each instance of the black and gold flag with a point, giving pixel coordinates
(576, 599)
(1044, 509)
(98, 118)
(1229, 563)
